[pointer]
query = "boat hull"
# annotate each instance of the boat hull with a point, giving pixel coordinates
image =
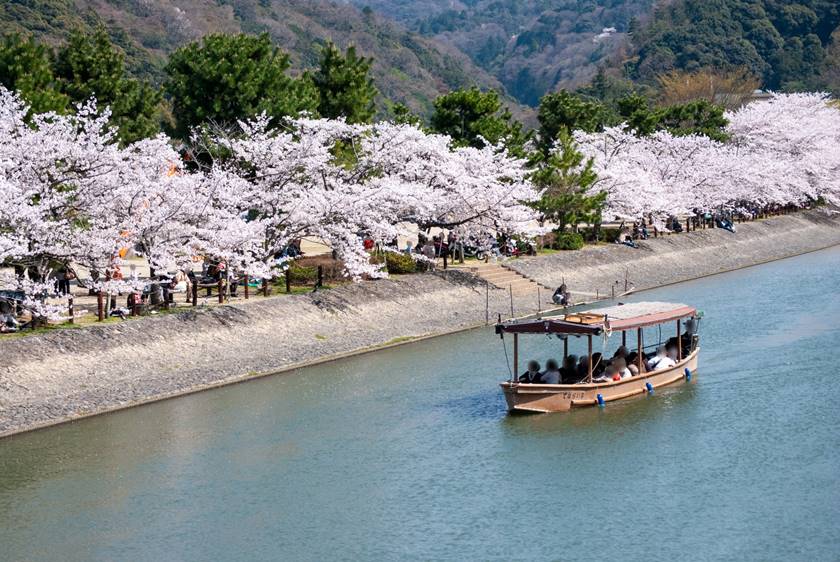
(523, 397)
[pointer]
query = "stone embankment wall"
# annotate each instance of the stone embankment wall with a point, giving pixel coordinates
(680, 257)
(66, 374)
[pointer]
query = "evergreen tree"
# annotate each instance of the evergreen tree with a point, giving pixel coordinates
(226, 78)
(26, 67)
(345, 88)
(564, 112)
(403, 115)
(785, 42)
(636, 112)
(698, 117)
(474, 118)
(92, 66)
(566, 180)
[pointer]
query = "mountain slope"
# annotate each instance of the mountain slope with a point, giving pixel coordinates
(407, 67)
(532, 46)
(791, 45)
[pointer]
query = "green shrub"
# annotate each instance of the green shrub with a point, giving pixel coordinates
(608, 235)
(567, 241)
(399, 263)
(302, 274)
(396, 263)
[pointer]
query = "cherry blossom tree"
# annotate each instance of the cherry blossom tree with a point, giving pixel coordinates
(336, 181)
(433, 184)
(55, 172)
(781, 151)
(73, 197)
(796, 137)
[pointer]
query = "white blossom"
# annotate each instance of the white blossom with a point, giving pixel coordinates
(781, 151)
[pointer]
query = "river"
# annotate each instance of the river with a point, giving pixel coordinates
(408, 453)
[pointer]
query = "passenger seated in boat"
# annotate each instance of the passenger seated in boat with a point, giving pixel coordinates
(634, 369)
(583, 368)
(552, 373)
(569, 374)
(620, 365)
(651, 362)
(532, 375)
(633, 361)
(671, 347)
(661, 361)
(610, 374)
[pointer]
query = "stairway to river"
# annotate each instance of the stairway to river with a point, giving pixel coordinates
(497, 275)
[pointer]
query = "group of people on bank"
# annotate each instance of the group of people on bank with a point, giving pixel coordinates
(622, 365)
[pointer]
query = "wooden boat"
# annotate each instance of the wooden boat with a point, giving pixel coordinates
(626, 318)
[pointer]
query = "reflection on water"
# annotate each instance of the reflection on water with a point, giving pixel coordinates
(408, 453)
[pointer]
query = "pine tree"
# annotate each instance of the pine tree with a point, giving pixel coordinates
(226, 78)
(473, 118)
(92, 66)
(344, 85)
(402, 114)
(566, 180)
(26, 67)
(563, 112)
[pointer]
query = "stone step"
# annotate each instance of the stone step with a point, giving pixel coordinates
(487, 269)
(515, 283)
(500, 273)
(485, 272)
(504, 278)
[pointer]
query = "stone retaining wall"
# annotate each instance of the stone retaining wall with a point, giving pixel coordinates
(65, 374)
(68, 373)
(679, 257)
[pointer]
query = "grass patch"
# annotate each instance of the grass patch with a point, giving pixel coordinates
(278, 288)
(394, 341)
(38, 331)
(90, 319)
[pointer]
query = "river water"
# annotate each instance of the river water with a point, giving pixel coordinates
(408, 454)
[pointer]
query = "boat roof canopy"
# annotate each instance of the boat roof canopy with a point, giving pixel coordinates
(621, 317)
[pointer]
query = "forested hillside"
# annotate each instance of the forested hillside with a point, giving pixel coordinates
(522, 48)
(407, 68)
(532, 46)
(789, 45)
(535, 46)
